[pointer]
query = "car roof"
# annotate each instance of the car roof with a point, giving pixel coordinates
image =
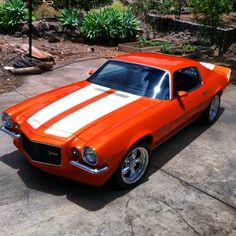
(162, 61)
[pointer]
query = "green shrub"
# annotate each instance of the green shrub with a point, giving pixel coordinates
(167, 7)
(110, 26)
(118, 6)
(12, 13)
(209, 12)
(83, 4)
(69, 18)
(88, 5)
(142, 7)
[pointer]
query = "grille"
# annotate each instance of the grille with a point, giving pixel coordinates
(41, 152)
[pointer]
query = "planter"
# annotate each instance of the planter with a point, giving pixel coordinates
(147, 46)
(191, 51)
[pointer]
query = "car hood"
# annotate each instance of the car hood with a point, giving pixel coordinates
(85, 112)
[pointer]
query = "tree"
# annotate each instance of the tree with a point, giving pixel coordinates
(179, 6)
(209, 12)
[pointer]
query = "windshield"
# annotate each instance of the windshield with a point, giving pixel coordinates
(132, 78)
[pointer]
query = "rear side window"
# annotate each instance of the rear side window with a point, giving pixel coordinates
(186, 79)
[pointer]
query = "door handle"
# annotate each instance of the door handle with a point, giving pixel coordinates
(204, 93)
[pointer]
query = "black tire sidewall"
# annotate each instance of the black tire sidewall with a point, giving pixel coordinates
(207, 114)
(118, 176)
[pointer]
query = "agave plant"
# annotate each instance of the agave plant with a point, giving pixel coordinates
(130, 25)
(69, 18)
(110, 25)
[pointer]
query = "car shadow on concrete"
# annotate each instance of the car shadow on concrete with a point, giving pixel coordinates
(94, 198)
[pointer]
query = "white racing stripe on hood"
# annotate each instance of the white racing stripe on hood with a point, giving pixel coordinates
(79, 119)
(65, 103)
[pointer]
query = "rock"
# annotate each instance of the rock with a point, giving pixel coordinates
(25, 29)
(40, 27)
(76, 40)
(49, 34)
(53, 26)
(76, 34)
(60, 29)
(54, 39)
(17, 34)
(230, 56)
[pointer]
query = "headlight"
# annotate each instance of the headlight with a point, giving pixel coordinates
(89, 156)
(6, 120)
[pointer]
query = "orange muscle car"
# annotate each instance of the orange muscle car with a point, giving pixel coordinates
(107, 125)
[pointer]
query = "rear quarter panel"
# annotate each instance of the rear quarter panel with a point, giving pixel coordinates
(213, 82)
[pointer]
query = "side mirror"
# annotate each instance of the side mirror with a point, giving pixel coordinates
(182, 94)
(91, 72)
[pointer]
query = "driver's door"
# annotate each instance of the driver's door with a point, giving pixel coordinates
(193, 102)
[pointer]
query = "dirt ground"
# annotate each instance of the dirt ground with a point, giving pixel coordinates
(65, 52)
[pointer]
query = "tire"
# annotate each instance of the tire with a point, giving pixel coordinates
(133, 167)
(212, 112)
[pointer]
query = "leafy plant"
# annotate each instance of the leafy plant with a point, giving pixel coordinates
(209, 12)
(83, 4)
(165, 47)
(12, 13)
(110, 25)
(144, 42)
(179, 4)
(118, 6)
(142, 7)
(69, 18)
(166, 7)
(88, 5)
(188, 48)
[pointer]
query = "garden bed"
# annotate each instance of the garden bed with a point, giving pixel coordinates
(145, 46)
(191, 51)
(167, 47)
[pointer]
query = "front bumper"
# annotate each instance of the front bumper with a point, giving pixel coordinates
(89, 169)
(9, 132)
(69, 168)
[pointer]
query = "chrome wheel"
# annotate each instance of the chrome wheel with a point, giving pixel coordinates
(214, 108)
(135, 165)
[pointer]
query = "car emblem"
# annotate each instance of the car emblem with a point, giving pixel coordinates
(50, 153)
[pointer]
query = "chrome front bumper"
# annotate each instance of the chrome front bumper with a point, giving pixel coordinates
(89, 169)
(11, 133)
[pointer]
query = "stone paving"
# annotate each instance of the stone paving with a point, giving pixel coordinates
(190, 189)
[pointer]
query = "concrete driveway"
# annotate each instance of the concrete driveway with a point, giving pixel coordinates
(190, 189)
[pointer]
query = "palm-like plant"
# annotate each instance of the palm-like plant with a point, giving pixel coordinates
(12, 12)
(69, 18)
(110, 24)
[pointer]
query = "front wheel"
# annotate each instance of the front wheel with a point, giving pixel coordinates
(212, 112)
(133, 167)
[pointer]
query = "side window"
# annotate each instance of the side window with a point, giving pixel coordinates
(186, 79)
(158, 88)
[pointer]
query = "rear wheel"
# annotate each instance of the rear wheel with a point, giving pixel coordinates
(212, 112)
(133, 167)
